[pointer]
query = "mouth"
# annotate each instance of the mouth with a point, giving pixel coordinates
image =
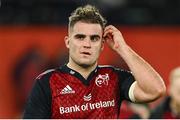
(86, 53)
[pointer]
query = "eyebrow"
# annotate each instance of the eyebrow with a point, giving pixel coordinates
(79, 35)
(83, 35)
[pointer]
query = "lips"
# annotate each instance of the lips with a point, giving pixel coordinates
(86, 53)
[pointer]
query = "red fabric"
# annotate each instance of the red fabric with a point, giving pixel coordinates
(169, 115)
(125, 111)
(106, 92)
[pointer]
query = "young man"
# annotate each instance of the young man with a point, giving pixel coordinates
(82, 88)
(170, 107)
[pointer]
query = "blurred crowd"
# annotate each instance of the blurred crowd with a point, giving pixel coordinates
(126, 12)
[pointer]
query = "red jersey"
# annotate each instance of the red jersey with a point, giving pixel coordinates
(65, 93)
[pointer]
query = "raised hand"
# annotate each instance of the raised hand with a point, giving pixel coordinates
(114, 38)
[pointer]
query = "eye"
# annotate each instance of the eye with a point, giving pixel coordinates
(80, 37)
(95, 38)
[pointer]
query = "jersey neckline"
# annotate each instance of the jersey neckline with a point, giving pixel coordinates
(76, 74)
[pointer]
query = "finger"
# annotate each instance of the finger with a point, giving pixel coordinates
(110, 42)
(116, 45)
(107, 28)
(108, 37)
(110, 27)
(109, 31)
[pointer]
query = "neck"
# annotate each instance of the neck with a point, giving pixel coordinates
(84, 71)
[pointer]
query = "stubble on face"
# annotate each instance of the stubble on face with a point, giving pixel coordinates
(88, 30)
(82, 64)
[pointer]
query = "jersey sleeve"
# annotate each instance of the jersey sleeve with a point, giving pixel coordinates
(39, 102)
(126, 80)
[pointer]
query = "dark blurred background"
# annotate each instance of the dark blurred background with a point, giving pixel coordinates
(123, 12)
(32, 34)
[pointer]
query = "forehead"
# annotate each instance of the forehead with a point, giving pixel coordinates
(87, 28)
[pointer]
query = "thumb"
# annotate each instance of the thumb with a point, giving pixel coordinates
(116, 45)
(110, 42)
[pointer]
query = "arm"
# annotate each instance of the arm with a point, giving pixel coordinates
(148, 85)
(39, 103)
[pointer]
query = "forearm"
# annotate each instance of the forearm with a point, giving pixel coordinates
(148, 80)
(149, 85)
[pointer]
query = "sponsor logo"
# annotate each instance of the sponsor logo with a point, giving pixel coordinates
(87, 98)
(67, 90)
(102, 80)
(87, 106)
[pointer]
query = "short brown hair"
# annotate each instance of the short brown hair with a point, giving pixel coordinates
(88, 14)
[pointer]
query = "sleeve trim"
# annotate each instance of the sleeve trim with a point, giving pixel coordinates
(131, 92)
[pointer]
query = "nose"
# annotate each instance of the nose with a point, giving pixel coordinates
(87, 43)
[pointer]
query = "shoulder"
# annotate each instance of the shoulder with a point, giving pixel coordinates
(110, 67)
(45, 76)
(115, 69)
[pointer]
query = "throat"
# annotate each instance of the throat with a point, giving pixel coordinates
(85, 74)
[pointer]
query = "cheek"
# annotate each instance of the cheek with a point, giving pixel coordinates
(99, 47)
(97, 50)
(73, 47)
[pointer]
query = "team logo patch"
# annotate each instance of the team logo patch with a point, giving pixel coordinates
(102, 80)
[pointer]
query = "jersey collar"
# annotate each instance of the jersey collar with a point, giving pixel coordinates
(76, 74)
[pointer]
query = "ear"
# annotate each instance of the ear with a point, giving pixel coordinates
(66, 40)
(102, 44)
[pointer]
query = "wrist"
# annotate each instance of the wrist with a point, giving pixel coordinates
(123, 49)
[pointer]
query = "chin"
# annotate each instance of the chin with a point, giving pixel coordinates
(86, 64)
